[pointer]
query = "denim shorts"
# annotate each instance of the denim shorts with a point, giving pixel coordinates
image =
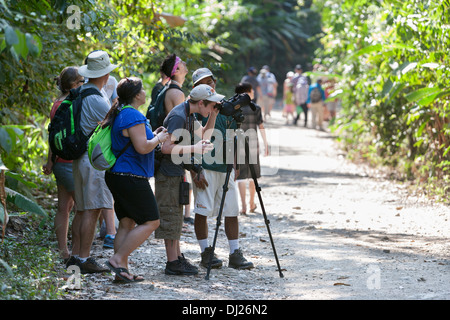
(63, 175)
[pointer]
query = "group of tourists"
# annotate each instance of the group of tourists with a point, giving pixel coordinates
(124, 191)
(300, 96)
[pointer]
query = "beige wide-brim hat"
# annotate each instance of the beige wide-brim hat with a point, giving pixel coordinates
(97, 65)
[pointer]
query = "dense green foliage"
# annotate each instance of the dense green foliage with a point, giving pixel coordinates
(392, 59)
(33, 270)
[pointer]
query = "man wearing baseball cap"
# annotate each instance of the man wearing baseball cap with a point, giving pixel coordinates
(208, 190)
(180, 124)
(91, 193)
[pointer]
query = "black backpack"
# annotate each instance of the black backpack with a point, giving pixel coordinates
(156, 111)
(65, 137)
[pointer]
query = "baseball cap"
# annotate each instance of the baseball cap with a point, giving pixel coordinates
(200, 74)
(252, 70)
(205, 92)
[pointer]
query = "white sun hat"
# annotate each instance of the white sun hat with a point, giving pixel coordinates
(97, 65)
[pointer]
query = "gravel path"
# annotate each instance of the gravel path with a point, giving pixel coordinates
(341, 231)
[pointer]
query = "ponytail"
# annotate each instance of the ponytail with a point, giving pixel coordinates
(127, 90)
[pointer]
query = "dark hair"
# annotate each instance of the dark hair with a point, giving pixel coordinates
(243, 87)
(127, 89)
(66, 79)
(167, 65)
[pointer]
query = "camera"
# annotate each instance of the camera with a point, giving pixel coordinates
(232, 107)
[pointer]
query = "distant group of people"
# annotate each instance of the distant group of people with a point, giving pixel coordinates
(124, 191)
(265, 86)
(300, 96)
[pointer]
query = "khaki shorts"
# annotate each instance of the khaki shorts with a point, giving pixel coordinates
(170, 211)
(91, 191)
(207, 201)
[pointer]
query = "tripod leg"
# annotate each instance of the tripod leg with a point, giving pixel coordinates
(267, 221)
(219, 217)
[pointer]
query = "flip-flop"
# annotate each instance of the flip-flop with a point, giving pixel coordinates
(253, 209)
(117, 271)
(120, 281)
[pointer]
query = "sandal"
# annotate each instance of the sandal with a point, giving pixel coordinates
(118, 272)
(252, 210)
(135, 279)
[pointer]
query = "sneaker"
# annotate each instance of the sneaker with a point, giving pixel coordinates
(92, 266)
(206, 255)
(181, 267)
(108, 242)
(189, 220)
(71, 261)
(102, 231)
(237, 261)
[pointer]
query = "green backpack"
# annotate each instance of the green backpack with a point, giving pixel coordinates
(100, 151)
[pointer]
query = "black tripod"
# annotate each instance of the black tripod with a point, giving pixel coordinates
(239, 132)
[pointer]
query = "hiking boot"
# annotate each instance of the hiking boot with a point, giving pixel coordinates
(189, 220)
(71, 261)
(108, 242)
(206, 255)
(92, 266)
(237, 261)
(181, 267)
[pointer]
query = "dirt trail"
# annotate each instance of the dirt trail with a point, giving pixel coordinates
(341, 231)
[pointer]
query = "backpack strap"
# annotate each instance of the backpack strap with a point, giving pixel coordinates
(129, 142)
(89, 92)
(174, 86)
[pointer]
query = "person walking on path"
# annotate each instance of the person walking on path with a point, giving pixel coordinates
(269, 86)
(300, 89)
(288, 98)
(62, 169)
(252, 78)
(316, 102)
(134, 201)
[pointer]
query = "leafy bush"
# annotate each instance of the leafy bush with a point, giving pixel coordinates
(29, 268)
(393, 60)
